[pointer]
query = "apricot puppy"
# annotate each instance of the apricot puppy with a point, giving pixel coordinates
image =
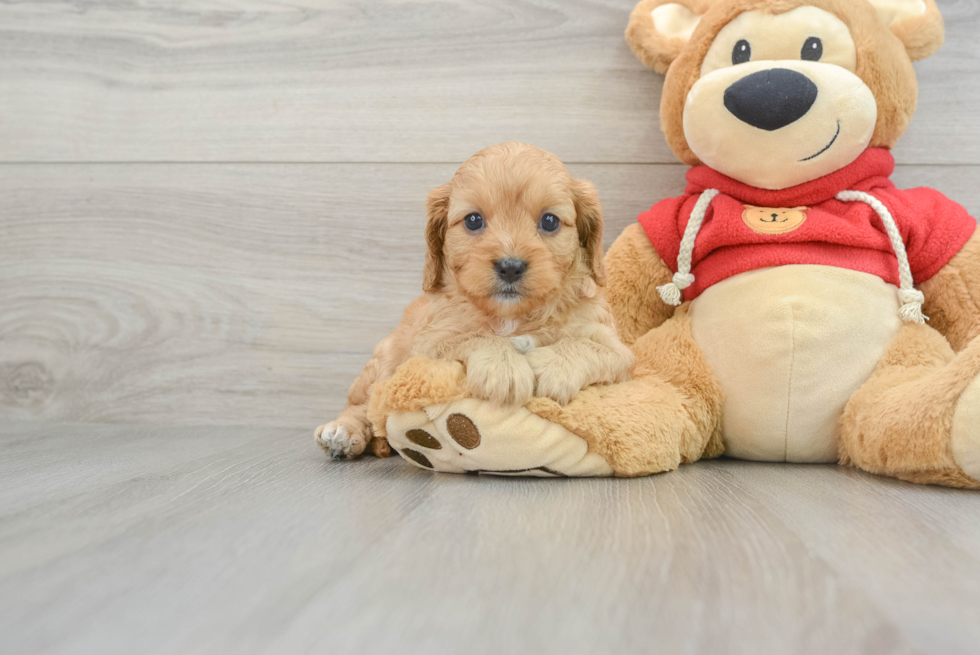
(511, 281)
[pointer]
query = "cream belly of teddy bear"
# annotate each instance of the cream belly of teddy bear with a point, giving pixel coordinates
(790, 345)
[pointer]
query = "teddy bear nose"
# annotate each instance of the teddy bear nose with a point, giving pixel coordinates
(771, 99)
(510, 270)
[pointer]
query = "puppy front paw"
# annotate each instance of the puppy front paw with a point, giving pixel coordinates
(502, 377)
(555, 377)
(524, 343)
(341, 441)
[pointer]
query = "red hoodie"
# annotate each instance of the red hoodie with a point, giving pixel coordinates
(818, 228)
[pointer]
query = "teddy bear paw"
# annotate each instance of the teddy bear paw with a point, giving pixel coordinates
(966, 431)
(472, 436)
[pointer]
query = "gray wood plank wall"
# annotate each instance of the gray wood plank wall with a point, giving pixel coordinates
(209, 213)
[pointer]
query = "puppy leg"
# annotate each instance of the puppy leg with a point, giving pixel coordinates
(497, 372)
(350, 435)
(570, 365)
(495, 369)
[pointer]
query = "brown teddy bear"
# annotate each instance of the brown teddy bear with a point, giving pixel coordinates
(777, 310)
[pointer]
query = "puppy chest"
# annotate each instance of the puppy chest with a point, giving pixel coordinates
(790, 346)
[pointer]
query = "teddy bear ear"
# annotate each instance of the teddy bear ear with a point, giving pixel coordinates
(917, 23)
(659, 30)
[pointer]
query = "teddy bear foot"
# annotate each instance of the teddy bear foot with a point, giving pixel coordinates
(965, 436)
(472, 436)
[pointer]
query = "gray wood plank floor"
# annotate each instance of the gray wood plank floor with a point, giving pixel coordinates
(216, 540)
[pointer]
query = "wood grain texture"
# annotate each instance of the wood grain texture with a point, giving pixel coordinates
(367, 81)
(214, 540)
(232, 294)
(144, 281)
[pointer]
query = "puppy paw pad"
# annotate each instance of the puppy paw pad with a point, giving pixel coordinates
(417, 457)
(424, 439)
(524, 343)
(463, 431)
(336, 441)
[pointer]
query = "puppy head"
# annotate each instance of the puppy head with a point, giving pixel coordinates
(776, 93)
(513, 230)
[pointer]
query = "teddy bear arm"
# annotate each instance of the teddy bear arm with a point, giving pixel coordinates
(635, 271)
(953, 296)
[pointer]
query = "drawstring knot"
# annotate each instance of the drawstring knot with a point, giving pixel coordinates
(672, 293)
(911, 298)
(911, 311)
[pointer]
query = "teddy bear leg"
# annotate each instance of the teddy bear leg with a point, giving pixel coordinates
(669, 414)
(918, 417)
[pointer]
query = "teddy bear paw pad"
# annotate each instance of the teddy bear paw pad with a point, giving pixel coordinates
(417, 457)
(473, 436)
(463, 431)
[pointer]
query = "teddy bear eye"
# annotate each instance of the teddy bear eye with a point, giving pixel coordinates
(742, 52)
(473, 222)
(812, 49)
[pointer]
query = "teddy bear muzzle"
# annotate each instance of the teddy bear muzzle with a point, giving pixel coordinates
(771, 99)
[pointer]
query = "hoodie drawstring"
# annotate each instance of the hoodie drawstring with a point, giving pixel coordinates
(911, 298)
(671, 293)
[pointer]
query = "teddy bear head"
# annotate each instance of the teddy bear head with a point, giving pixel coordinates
(776, 93)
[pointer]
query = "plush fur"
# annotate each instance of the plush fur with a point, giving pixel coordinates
(635, 272)
(953, 297)
(668, 416)
(900, 421)
(548, 333)
(913, 415)
(883, 62)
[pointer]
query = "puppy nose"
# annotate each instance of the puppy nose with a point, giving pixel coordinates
(771, 99)
(510, 270)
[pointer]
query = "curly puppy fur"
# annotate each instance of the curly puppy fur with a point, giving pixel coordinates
(548, 333)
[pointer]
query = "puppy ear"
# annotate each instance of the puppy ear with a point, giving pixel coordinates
(917, 23)
(659, 30)
(437, 208)
(588, 219)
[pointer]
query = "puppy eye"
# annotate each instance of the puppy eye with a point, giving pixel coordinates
(474, 223)
(742, 52)
(549, 223)
(812, 49)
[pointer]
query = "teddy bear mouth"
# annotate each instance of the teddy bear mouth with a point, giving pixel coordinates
(827, 147)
